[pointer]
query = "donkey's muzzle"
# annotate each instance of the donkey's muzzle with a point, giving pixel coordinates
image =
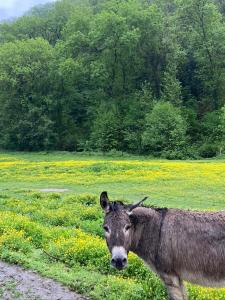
(119, 262)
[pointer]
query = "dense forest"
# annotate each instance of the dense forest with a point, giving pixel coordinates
(136, 76)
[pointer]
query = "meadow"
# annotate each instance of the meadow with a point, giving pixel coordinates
(60, 234)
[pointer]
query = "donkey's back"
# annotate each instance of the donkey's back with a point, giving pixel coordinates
(193, 246)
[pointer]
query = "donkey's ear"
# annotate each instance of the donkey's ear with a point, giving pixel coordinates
(133, 218)
(133, 206)
(104, 202)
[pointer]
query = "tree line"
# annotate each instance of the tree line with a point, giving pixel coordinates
(137, 76)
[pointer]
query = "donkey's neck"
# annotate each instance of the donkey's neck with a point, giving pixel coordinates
(146, 235)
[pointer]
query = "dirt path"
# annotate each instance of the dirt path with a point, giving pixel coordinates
(53, 190)
(19, 284)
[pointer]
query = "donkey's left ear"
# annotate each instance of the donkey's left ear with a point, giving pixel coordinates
(104, 202)
(133, 218)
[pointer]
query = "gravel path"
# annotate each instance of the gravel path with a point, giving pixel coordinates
(19, 284)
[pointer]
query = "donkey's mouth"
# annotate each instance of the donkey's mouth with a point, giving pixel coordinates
(118, 263)
(121, 268)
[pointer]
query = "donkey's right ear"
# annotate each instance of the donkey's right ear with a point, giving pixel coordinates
(104, 201)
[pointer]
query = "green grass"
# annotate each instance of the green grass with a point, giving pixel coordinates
(68, 225)
(187, 187)
(10, 289)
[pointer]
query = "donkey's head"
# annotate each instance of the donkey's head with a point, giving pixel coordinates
(119, 226)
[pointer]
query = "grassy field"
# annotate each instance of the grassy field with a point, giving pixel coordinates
(67, 225)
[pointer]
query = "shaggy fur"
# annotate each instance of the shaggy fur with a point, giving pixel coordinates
(179, 245)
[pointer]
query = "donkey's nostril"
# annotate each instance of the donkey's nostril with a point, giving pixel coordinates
(124, 260)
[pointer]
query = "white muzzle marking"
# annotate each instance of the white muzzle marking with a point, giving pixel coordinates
(119, 258)
(119, 252)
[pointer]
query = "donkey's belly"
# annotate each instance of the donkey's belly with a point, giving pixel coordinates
(201, 279)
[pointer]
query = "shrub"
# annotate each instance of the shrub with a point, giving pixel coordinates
(165, 130)
(15, 240)
(208, 150)
(79, 248)
(114, 287)
(107, 131)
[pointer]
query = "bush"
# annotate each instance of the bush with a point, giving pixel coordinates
(15, 240)
(208, 150)
(165, 130)
(107, 134)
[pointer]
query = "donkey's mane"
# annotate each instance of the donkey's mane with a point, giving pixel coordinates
(116, 205)
(156, 208)
(119, 205)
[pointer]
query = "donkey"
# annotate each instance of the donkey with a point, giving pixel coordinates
(178, 245)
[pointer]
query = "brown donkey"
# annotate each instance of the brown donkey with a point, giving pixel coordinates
(176, 244)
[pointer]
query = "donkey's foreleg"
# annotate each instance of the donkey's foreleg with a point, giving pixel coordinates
(174, 287)
(184, 291)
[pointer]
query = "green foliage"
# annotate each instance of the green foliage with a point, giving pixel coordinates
(208, 150)
(25, 119)
(107, 131)
(165, 130)
(202, 34)
(135, 110)
(221, 128)
(83, 75)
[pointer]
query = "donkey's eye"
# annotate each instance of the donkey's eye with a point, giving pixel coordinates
(106, 228)
(127, 227)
